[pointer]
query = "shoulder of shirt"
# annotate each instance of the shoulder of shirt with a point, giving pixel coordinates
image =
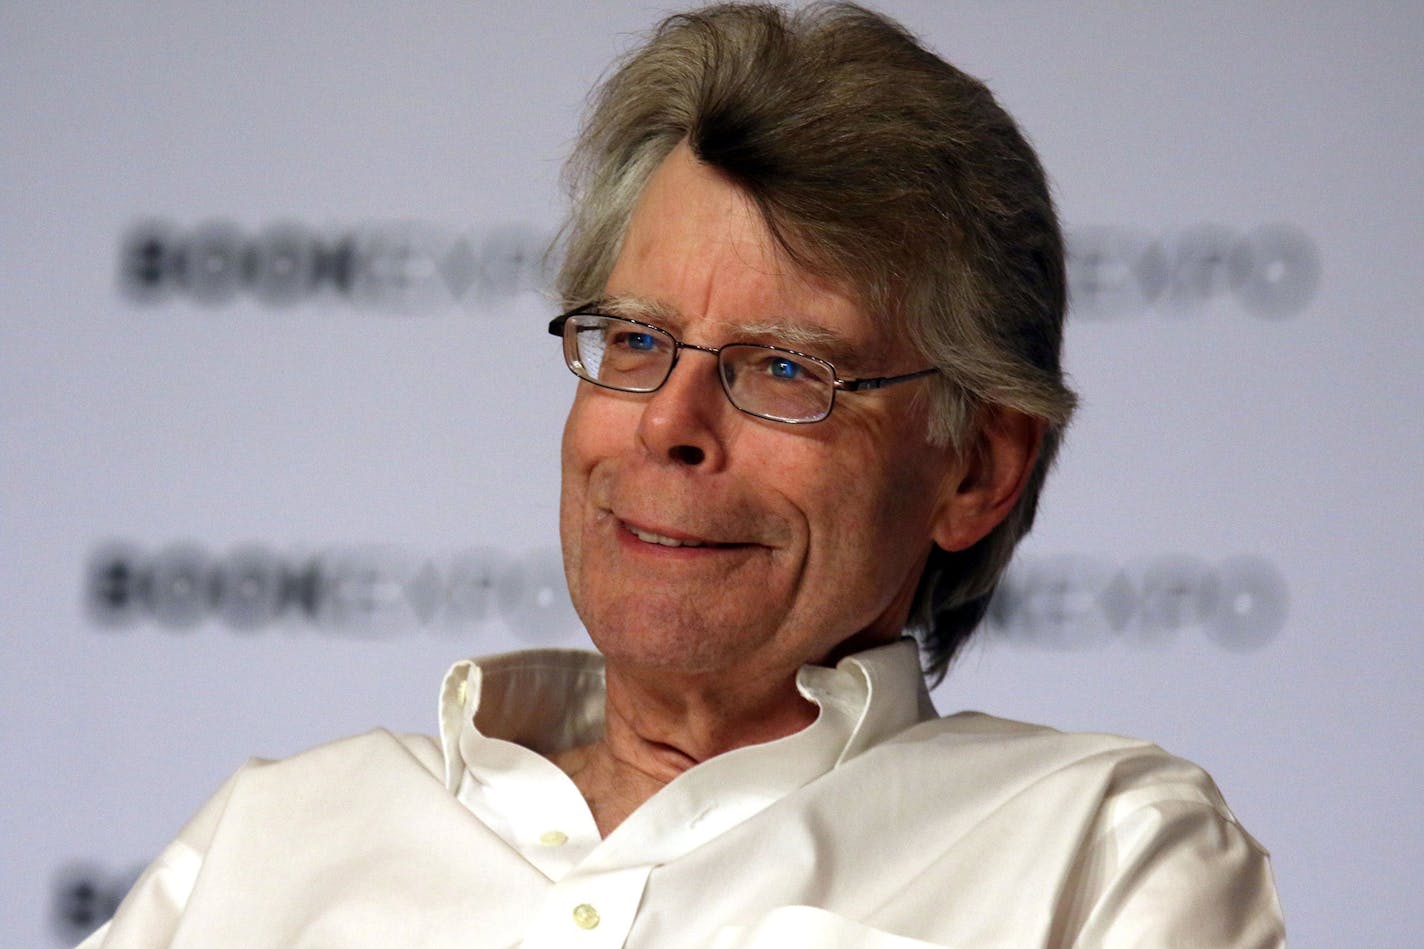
(1129, 771)
(979, 731)
(314, 772)
(377, 745)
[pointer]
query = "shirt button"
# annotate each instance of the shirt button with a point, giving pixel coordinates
(585, 916)
(553, 838)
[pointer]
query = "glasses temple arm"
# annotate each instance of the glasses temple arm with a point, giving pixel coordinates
(880, 382)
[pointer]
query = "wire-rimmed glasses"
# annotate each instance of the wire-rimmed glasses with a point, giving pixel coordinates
(769, 382)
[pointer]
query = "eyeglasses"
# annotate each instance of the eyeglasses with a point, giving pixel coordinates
(769, 382)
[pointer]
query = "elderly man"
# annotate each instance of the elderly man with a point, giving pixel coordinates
(814, 289)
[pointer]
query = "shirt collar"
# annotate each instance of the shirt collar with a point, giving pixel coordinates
(548, 700)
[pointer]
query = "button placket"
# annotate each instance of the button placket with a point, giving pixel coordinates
(589, 911)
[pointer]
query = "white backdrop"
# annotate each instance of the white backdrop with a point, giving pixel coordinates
(266, 504)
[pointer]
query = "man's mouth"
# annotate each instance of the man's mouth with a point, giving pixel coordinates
(648, 537)
(664, 540)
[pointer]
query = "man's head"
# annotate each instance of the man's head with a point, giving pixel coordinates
(750, 167)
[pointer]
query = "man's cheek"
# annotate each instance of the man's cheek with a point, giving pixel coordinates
(596, 428)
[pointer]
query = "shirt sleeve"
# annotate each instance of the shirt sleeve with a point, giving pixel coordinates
(150, 913)
(1180, 872)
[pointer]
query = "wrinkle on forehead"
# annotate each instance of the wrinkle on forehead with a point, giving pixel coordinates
(787, 333)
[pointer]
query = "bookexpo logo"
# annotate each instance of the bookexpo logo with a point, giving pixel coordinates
(1072, 602)
(1272, 271)
(395, 266)
(363, 592)
(374, 592)
(85, 896)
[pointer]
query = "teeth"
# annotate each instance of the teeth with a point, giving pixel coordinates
(651, 538)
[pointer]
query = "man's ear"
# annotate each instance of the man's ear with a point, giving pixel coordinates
(989, 480)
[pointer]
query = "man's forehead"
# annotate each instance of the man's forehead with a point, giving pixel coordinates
(848, 351)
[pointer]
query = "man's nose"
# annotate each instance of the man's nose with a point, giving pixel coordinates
(684, 421)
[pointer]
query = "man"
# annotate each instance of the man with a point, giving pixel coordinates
(814, 289)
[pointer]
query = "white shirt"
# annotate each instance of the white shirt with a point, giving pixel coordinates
(879, 825)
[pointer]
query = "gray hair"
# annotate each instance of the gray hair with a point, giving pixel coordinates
(876, 163)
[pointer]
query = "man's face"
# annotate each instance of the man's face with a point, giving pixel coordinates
(805, 538)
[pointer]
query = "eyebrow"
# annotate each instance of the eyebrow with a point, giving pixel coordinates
(805, 337)
(816, 340)
(637, 308)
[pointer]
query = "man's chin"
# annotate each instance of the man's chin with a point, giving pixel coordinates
(673, 644)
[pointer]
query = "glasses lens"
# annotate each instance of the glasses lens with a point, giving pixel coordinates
(777, 383)
(619, 354)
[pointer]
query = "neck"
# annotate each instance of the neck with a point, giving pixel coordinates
(657, 725)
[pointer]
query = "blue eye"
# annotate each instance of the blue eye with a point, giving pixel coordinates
(640, 341)
(785, 369)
